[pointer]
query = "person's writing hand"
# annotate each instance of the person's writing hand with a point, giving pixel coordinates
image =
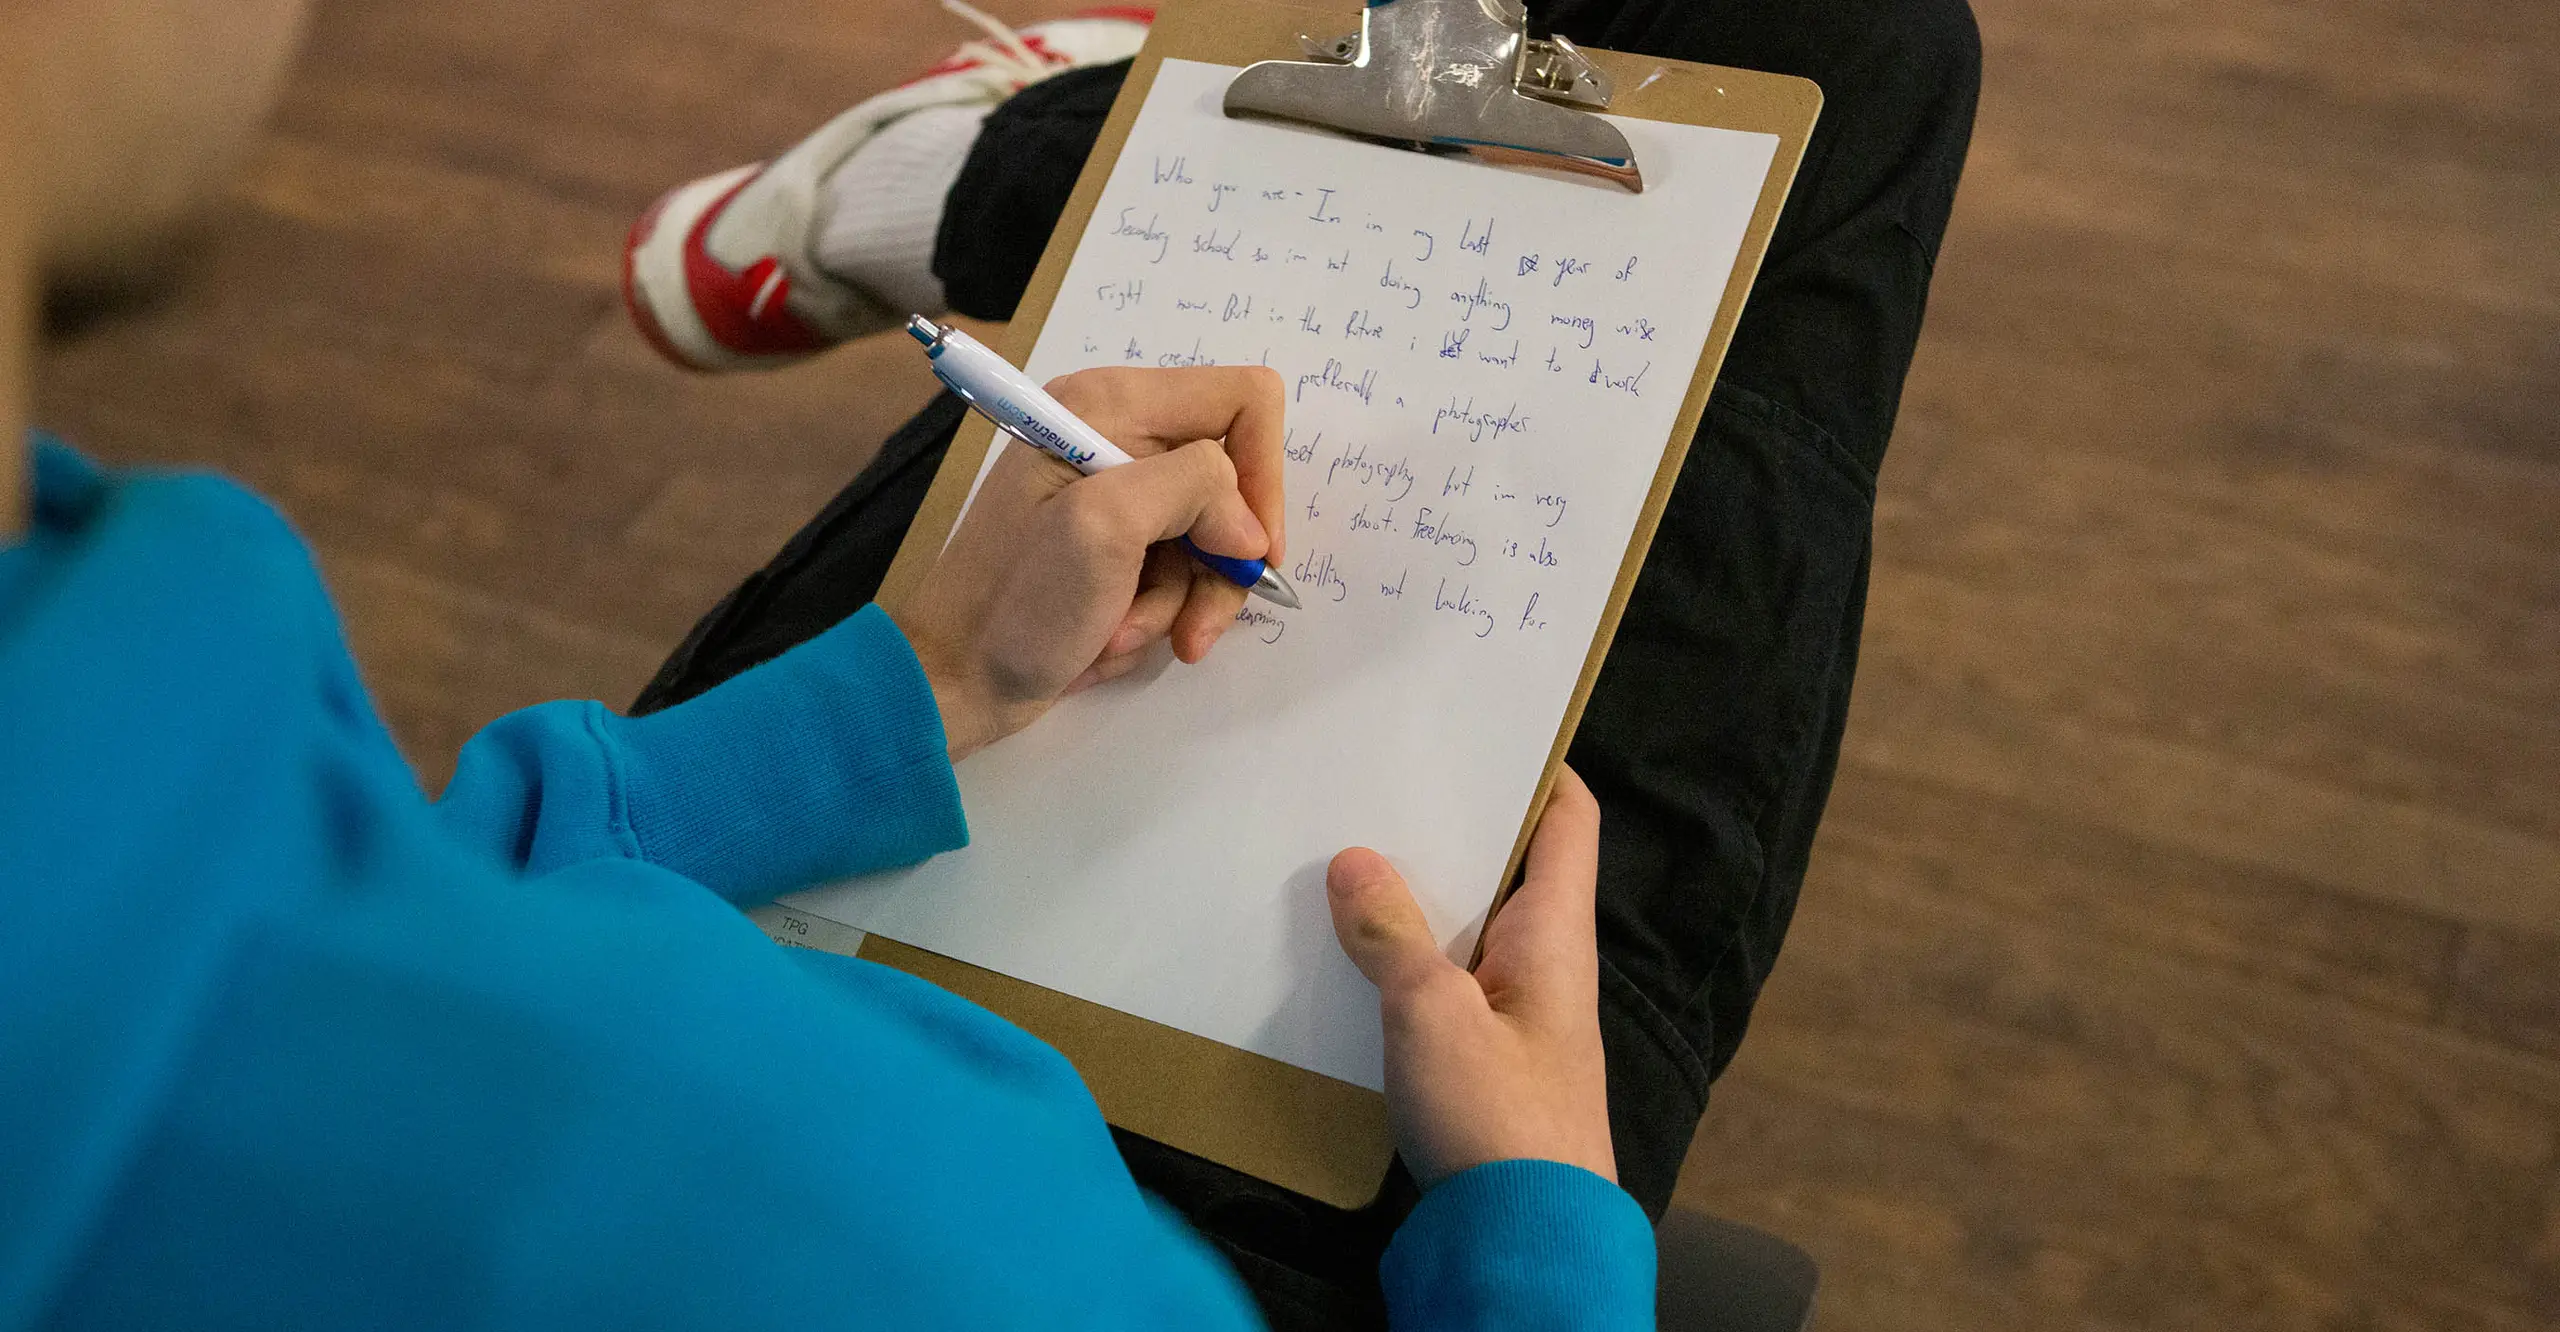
(1055, 581)
(1504, 1063)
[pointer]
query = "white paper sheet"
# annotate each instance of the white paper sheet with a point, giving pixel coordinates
(1482, 368)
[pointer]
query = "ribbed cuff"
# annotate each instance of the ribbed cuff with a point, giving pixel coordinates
(1521, 1244)
(826, 762)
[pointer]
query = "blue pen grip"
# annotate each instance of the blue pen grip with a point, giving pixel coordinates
(1242, 573)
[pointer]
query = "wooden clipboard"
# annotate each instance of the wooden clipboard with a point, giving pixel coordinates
(1301, 1130)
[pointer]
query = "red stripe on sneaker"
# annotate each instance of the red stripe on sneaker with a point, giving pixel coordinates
(728, 303)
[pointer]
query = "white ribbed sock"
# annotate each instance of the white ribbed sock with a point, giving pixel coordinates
(880, 210)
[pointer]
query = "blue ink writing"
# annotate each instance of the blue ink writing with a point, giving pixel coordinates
(1315, 572)
(1463, 604)
(1390, 281)
(1438, 532)
(1332, 377)
(1631, 385)
(1508, 421)
(1395, 476)
(1255, 620)
(1146, 232)
(1481, 299)
(1191, 357)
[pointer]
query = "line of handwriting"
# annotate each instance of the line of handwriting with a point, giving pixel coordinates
(1507, 421)
(1336, 378)
(1319, 576)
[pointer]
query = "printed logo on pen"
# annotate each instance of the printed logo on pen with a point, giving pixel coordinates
(1040, 431)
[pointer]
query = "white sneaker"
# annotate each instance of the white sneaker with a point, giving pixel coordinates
(719, 274)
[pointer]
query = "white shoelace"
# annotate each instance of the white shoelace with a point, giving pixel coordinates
(1003, 50)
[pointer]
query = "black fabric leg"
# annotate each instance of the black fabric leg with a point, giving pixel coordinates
(1714, 730)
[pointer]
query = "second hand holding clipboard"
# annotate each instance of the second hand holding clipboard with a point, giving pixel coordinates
(1379, 721)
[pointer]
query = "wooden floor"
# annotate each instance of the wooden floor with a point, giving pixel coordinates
(2183, 946)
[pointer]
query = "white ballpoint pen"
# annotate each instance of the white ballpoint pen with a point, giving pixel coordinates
(1004, 395)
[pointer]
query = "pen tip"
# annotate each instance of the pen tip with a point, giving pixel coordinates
(1277, 589)
(922, 329)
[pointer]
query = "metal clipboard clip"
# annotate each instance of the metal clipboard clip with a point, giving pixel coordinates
(1449, 76)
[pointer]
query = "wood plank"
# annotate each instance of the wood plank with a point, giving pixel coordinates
(2188, 797)
(2506, 987)
(2168, 1146)
(443, 660)
(1937, 843)
(2245, 691)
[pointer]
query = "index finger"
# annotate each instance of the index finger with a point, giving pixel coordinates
(1166, 409)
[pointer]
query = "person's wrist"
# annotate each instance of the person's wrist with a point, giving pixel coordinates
(967, 718)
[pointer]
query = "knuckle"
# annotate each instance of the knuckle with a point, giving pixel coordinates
(1088, 523)
(1375, 925)
(1213, 461)
(1087, 392)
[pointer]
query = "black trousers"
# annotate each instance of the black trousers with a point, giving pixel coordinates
(1712, 735)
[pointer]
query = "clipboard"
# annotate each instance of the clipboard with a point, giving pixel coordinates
(1301, 1130)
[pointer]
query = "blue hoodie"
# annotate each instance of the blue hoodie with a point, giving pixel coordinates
(283, 1045)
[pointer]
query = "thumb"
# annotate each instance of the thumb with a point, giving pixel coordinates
(1539, 949)
(1380, 925)
(1191, 489)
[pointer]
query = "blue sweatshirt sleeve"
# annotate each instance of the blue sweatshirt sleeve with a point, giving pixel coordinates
(1521, 1245)
(827, 761)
